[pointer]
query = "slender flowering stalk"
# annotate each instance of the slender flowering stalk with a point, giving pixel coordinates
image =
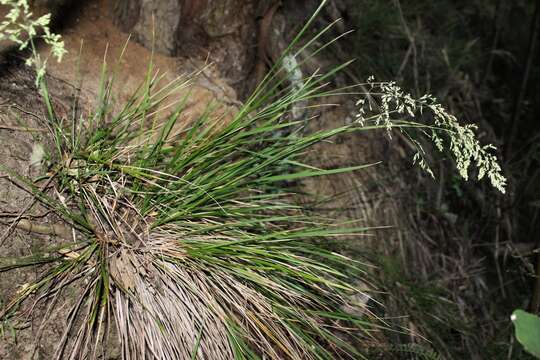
(20, 27)
(399, 110)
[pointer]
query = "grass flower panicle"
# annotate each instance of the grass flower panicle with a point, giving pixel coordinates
(398, 109)
(20, 27)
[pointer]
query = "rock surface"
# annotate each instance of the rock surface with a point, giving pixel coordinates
(225, 31)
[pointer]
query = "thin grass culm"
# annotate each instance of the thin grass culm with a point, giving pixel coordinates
(181, 235)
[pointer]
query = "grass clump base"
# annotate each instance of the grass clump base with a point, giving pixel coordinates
(185, 239)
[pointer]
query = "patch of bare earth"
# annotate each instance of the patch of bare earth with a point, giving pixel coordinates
(22, 136)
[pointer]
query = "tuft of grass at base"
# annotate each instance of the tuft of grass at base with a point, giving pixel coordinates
(187, 239)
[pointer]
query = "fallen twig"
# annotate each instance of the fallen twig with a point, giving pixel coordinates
(24, 210)
(22, 128)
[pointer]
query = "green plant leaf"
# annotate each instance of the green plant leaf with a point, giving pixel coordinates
(527, 331)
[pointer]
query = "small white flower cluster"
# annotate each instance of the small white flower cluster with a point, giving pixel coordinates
(19, 27)
(399, 110)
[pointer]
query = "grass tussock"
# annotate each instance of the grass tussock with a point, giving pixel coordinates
(185, 239)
